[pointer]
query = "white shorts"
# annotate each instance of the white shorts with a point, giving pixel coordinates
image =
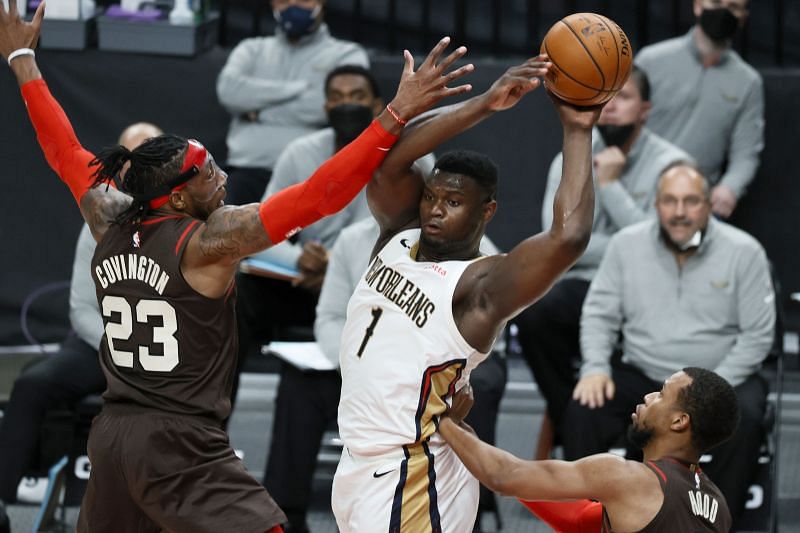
(420, 489)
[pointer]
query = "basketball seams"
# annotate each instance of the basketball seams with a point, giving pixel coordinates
(565, 73)
(616, 47)
(588, 52)
(574, 84)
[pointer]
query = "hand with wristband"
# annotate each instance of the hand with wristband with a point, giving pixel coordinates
(18, 38)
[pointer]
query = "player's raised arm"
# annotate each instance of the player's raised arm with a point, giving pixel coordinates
(58, 141)
(395, 191)
(521, 277)
(232, 233)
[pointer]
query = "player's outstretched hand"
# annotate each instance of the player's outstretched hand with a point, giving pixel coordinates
(575, 116)
(15, 33)
(420, 90)
(516, 82)
(462, 403)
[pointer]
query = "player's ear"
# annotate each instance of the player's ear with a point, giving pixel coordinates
(489, 209)
(680, 421)
(177, 200)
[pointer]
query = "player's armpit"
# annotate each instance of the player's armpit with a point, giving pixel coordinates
(61, 147)
(569, 517)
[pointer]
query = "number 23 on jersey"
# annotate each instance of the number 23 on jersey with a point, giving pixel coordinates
(122, 331)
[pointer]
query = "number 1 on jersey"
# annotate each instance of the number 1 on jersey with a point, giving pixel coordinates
(376, 315)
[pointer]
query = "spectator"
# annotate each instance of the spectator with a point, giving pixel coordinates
(628, 159)
(66, 376)
(685, 290)
(272, 87)
(708, 101)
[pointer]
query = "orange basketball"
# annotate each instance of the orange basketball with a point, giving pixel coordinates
(591, 58)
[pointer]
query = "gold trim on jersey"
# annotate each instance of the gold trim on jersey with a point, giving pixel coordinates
(415, 508)
(438, 382)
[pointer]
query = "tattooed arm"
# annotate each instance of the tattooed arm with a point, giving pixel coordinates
(213, 253)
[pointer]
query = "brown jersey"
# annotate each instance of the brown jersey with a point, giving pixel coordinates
(692, 503)
(166, 346)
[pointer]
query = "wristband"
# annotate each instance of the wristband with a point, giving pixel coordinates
(391, 112)
(23, 52)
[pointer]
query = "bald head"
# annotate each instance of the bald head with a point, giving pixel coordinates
(685, 173)
(136, 134)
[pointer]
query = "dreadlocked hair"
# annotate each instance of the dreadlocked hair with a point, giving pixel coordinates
(152, 164)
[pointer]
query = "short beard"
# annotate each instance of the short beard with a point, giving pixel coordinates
(639, 437)
(444, 249)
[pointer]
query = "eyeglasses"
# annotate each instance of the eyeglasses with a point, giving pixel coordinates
(689, 202)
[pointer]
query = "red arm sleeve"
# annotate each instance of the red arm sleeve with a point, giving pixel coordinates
(581, 516)
(330, 188)
(61, 147)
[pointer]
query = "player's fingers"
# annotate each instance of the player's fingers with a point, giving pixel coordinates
(37, 20)
(453, 91)
(529, 86)
(449, 60)
(433, 55)
(408, 66)
(466, 69)
(37, 23)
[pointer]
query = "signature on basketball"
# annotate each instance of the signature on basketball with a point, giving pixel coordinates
(592, 28)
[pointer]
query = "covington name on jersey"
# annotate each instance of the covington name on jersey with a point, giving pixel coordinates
(131, 266)
(402, 292)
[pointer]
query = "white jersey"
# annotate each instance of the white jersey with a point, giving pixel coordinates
(401, 354)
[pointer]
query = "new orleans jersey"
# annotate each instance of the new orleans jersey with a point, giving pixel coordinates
(401, 353)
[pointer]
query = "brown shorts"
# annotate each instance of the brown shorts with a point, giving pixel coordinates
(154, 471)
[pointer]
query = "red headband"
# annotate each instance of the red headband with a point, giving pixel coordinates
(196, 156)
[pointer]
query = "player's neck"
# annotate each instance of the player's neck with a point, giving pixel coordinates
(659, 450)
(425, 254)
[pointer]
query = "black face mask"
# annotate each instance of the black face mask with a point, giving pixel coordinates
(349, 120)
(719, 23)
(614, 135)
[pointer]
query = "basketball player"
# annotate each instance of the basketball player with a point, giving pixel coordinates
(164, 268)
(694, 411)
(427, 311)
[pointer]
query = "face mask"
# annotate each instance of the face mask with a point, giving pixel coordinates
(349, 120)
(296, 21)
(719, 24)
(692, 244)
(614, 135)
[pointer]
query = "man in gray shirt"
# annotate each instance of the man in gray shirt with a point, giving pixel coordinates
(628, 158)
(273, 89)
(708, 101)
(683, 290)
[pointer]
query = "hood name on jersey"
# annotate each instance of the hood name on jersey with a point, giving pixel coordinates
(131, 266)
(402, 292)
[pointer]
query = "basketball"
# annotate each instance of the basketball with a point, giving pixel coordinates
(591, 58)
